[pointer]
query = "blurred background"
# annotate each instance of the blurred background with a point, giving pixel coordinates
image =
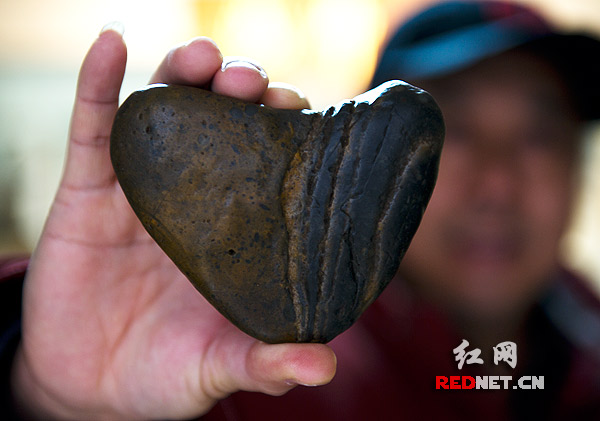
(328, 48)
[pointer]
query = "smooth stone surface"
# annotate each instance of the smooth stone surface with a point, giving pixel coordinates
(289, 222)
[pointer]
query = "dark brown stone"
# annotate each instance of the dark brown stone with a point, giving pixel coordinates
(289, 222)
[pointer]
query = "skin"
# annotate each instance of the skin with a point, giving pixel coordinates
(111, 329)
(489, 239)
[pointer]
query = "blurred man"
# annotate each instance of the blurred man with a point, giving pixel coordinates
(515, 100)
(112, 330)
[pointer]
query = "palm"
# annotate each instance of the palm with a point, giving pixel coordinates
(111, 328)
(124, 296)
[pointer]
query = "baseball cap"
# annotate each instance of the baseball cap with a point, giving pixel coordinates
(453, 35)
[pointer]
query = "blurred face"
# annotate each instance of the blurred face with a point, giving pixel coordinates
(489, 238)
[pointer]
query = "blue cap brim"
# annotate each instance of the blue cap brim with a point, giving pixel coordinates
(456, 35)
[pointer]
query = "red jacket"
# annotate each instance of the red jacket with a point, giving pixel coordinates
(389, 360)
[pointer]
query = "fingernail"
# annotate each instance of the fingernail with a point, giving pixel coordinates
(297, 383)
(230, 62)
(116, 26)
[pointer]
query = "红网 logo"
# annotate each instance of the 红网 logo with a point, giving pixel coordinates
(503, 352)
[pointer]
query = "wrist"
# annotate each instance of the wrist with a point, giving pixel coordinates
(27, 399)
(31, 401)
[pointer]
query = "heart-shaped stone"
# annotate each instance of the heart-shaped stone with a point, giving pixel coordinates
(289, 222)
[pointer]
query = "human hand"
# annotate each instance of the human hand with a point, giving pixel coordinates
(111, 328)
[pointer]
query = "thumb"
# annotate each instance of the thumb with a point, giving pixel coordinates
(271, 369)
